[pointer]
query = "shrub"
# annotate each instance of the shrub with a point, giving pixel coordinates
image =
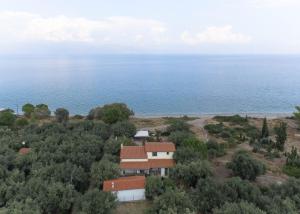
(214, 128)
(123, 128)
(207, 195)
(95, 201)
(235, 119)
(178, 137)
(41, 111)
(238, 208)
(189, 174)
(172, 201)
(178, 125)
(245, 166)
(292, 171)
(21, 122)
(115, 112)
(28, 109)
(196, 145)
(187, 155)
(61, 115)
(215, 149)
(155, 186)
(7, 118)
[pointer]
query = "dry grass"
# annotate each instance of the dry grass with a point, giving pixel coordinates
(133, 207)
(148, 122)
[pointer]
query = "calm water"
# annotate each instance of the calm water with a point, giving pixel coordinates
(154, 84)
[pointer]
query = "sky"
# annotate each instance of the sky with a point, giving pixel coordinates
(150, 26)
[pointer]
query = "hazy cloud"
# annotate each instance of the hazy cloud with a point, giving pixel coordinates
(215, 35)
(28, 27)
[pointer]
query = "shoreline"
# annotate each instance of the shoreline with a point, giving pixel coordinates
(211, 115)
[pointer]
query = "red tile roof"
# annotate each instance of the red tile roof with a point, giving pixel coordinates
(24, 151)
(152, 163)
(135, 165)
(124, 183)
(160, 147)
(133, 152)
(161, 163)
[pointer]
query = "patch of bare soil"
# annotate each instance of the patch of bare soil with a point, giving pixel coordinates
(132, 207)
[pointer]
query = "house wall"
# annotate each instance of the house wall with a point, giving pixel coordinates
(160, 155)
(131, 195)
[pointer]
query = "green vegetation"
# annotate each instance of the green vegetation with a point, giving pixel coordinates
(111, 113)
(28, 109)
(238, 208)
(292, 166)
(281, 136)
(245, 166)
(172, 201)
(238, 130)
(65, 163)
(7, 118)
(297, 114)
(235, 119)
(62, 115)
(188, 174)
(265, 129)
(156, 186)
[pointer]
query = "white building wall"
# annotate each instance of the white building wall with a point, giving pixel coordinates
(160, 155)
(131, 195)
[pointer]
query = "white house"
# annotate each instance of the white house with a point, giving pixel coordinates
(127, 188)
(152, 158)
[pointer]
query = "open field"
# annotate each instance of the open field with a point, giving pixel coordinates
(133, 207)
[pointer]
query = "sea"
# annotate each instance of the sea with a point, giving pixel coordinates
(154, 85)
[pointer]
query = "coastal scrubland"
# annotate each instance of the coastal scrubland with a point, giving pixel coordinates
(224, 164)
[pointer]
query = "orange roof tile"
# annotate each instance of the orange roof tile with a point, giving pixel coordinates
(152, 163)
(160, 147)
(24, 151)
(124, 183)
(133, 152)
(161, 163)
(135, 165)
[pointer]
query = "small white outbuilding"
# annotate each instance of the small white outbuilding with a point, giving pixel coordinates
(142, 134)
(127, 188)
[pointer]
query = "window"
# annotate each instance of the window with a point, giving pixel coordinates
(154, 154)
(167, 153)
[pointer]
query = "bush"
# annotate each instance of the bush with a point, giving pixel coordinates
(172, 201)
(292, 171)
(95, 201)
(235, 119)
(238, 208)
(245, 166)
(207, 195)
(155, 186)
(61, 115)
(115, 112)
(178, 125)
(28, 109)
(103, 170)
(214, 128)
(196, 145)
(189, 174)
(214, 149)
(178, 137)
(21, 122)
(41, 111)
(186, 155)
(7, 118)
(123, 128)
